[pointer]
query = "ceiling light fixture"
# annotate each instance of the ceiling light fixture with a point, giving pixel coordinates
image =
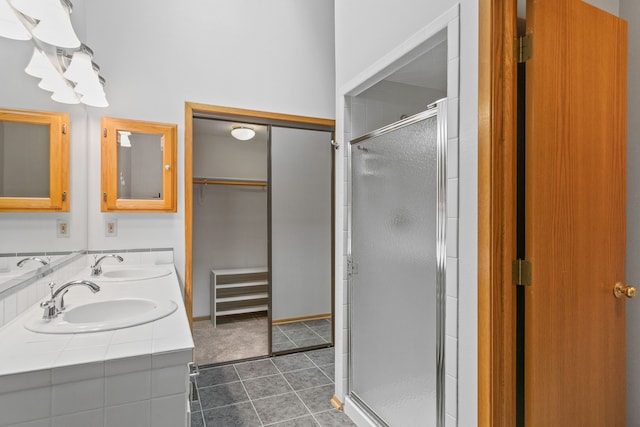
(242, 133)
(59, 59)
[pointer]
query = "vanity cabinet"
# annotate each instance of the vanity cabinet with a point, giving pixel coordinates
(238, 291)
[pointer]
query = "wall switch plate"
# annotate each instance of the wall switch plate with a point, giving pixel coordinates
(62, 228)
(111, 228)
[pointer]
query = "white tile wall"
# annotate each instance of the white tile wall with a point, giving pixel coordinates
(77, 396)
(38, 423)
(132, 414)
(19, 406)
(80, 419)
(168, 411)
(357, 116)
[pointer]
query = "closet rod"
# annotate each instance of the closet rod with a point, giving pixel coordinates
(230, 182)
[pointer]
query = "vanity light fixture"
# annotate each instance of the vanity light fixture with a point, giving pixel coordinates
(59, 59)
(242, 133)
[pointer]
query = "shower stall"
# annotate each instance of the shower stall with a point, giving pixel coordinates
(397, 270)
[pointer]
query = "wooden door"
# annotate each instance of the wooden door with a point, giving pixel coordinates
(575, 215)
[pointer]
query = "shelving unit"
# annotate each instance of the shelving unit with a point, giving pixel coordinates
(238, 291)
(230, 181)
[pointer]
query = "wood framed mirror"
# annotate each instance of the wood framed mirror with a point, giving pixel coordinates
(138, 166)
(34, 161)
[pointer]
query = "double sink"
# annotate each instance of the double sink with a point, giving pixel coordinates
(109, 314)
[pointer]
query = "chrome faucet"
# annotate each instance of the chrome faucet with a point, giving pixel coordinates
(53, 306)
(96, 268)
(34, 258)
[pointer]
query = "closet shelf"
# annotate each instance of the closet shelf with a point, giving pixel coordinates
(238, 290)
(230, 181)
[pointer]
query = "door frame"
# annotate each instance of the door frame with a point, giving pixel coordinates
(497, 117)
(239, 114)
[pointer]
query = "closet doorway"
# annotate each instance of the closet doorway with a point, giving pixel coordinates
(259, 233)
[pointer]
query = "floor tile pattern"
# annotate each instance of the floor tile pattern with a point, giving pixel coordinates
(284, 391)
(300, 334)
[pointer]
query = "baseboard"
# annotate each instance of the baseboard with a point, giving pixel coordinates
(301, 319)
(199, 318)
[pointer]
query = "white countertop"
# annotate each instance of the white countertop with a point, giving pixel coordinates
(22, 350)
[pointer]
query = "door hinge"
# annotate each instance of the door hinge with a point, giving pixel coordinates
(64, 196)
(352, 267)
(521, 270)
(104, 197)
(64, 128)
(523, 48)
(104, 132)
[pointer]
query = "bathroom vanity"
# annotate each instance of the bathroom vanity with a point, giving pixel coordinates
(70, 374)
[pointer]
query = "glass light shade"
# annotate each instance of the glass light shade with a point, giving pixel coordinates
(89, 85)
(10, 25)
(53, 83)
(57, 30)
(80, 68)
(37, 9)
(243, 133)
(95, 100)
(39, 65)
(65, 95)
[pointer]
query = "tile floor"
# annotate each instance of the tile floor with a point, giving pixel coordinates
(309, 333)
(284, 391)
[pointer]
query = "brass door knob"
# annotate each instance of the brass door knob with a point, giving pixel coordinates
(620, 290)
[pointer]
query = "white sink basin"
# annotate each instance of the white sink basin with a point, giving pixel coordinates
(104, 316)
(131, 273)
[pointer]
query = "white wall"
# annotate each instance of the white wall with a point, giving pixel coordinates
(230, 231)
(36, 232)
(271, 56)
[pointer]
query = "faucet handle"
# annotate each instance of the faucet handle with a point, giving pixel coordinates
(50, 309)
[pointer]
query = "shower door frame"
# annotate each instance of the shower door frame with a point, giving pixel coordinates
(439, 110)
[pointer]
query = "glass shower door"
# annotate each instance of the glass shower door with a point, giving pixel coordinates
(398, 267)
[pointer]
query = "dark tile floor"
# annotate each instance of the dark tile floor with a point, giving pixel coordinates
(284, 391)
(308, 333)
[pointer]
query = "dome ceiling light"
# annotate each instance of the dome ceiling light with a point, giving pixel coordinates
(242, 133)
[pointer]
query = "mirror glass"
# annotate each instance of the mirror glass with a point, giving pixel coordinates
(144, 181)
(24, 159)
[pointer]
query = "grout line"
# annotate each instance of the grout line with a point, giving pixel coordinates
(280, 372)
(291, 419)
(299, 398)
(249, 396)
(204, 422)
